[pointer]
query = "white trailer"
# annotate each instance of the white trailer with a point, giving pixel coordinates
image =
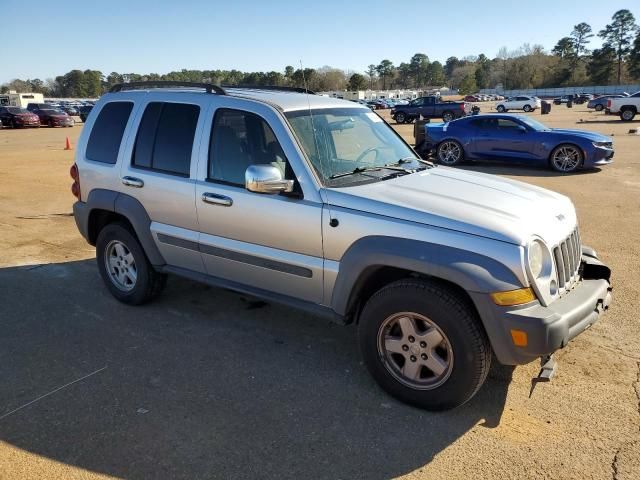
(20, 99)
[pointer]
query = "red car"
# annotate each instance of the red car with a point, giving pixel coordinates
(54, 118)
(18, 117)
(470, 98)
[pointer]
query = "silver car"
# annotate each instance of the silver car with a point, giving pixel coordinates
(317, 203)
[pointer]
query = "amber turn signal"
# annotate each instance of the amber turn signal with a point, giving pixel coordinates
(519, 338)
(513, 297)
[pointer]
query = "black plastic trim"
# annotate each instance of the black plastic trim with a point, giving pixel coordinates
(210, 88)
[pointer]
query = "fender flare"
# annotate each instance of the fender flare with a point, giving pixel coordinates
(471, 271)
(129, 208)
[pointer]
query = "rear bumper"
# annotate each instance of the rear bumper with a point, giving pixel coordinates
(548, 328)
(81, 215)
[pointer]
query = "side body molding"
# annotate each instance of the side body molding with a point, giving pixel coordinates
(128, 207)
(472, 271)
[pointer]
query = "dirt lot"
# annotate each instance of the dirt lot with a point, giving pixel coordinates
(206, 384)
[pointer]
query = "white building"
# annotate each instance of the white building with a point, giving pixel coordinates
(20, 99)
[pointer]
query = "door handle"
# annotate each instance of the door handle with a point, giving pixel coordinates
(133, 182)
(216, 199)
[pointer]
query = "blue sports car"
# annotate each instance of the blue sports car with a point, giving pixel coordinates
(515, 137)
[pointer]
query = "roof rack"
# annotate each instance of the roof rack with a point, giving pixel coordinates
(210, 88)
(272, 87)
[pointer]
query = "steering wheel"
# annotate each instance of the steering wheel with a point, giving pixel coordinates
(367, 152)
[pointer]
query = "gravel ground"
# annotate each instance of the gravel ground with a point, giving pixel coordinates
(205, 383)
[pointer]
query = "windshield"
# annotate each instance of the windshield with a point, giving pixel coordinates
(346, 139)
(534, 124)
(17, 110)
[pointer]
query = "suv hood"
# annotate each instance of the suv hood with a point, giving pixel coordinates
(469, 202)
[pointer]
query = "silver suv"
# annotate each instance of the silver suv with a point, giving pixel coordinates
(317, 203)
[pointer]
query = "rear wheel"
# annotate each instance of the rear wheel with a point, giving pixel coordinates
(450, 152)
(566, 158)
(424, 344)
(124, 267)
(527, 108)
(501, 109)
(599, 108)
(627, 114)
(400, 117)
(447, 116)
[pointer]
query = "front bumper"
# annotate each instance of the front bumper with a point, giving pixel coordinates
(599, 157)
(548, 328)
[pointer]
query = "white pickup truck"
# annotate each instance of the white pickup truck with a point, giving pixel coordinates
(626, 107)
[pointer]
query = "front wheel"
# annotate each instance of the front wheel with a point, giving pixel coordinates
(450, 152)
(566, 158)
(400, 117)
(424, 344)
(527, 108)
(124, 267)
(599, 108)
(447, 116)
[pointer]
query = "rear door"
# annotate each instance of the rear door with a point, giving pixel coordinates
(159, 171)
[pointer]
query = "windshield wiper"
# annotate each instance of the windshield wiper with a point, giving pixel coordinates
(358, 170)
(406, 160)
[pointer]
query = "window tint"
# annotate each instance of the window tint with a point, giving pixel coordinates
(505, 124)
(486, 123)
(165, 137)
(106, 135)
(240, 139)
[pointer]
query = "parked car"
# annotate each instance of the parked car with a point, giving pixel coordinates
(470, 98)
(17, 117)
(521, 102)
(626, 107)
(582, 98)
(377, 104)
(600, 103)
(84, 111)
(70, 110)
(429, 107)
(32, 107)
(561, 100)
(517, 137)
(440, 269)
(54, 118)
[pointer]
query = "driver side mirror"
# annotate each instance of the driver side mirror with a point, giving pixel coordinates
(266, 179)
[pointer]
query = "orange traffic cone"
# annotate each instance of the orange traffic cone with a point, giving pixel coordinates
(68, 145)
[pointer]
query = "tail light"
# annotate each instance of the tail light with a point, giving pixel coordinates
(609, 103)
(462, 106)
(75, 186)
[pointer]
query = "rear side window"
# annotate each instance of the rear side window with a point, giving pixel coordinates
(165, 138)
(106, 135)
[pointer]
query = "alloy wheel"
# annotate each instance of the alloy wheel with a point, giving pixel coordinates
(120, 265)
(449, 153)
(566, 159)
(415, 351)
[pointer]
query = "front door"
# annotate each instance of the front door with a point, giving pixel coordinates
(500, 137)
(272, 242)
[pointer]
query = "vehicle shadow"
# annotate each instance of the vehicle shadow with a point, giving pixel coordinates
(202, 383)
(520, 170)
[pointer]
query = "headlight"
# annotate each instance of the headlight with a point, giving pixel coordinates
(535, 259)
(603, 144)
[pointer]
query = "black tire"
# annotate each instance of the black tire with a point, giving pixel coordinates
(527, 108)
(401, 117)
(501, 109)
(14, 124)
(627, 114)
(148, 283)
(447, 116)
(50, 123)
(599, 108)
(455, 319)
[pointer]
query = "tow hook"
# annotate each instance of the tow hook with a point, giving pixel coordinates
(548, 367)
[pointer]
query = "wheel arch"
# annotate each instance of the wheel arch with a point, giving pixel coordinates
(372, 262)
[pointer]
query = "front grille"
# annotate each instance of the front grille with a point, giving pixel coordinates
(567, 256)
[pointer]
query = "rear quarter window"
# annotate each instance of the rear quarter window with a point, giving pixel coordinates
(106, 135)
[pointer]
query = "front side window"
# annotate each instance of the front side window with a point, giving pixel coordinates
(343, 139)
(240, 139)
(106, 135)
(165, 138)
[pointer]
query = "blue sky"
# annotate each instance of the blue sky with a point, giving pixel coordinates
(144, 36)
